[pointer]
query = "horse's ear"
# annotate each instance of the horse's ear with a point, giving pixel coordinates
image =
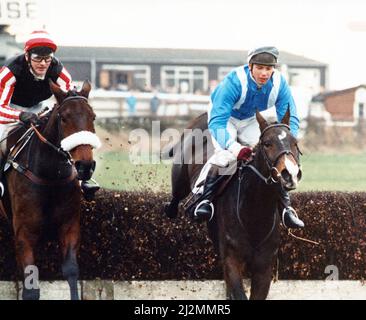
(286, 117)
(262, 122)
(59, 94)
(85, 89)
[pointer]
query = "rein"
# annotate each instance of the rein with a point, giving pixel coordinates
(240, 178)
(59, 149)
(268, 181)
(44, 182)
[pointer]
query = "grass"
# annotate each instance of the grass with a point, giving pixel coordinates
(321, 172)
(115, 171)
(334, 172)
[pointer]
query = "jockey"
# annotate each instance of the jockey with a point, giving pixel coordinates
(234, 104)
(24, 84)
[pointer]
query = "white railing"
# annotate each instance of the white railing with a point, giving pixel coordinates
(112, 104)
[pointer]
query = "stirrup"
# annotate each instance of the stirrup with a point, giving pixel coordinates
(203, 202)
(283, 215)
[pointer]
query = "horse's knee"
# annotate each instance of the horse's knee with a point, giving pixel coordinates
(70, 270)
(30, 294)
(70, 267)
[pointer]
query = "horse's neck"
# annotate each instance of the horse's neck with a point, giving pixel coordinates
(43, 159)
(258, 192)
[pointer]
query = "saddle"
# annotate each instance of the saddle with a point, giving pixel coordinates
(19, 139)
(215, 191)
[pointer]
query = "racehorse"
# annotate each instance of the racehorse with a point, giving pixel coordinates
(245, 226)
(43, 192)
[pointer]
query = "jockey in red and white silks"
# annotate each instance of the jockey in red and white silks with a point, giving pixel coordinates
(24, 79)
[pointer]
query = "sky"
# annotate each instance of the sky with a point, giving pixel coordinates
(330, 31)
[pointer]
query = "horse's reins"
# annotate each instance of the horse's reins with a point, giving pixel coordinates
(30, 175)
(59, 149)
(240, 176)
(269, 180)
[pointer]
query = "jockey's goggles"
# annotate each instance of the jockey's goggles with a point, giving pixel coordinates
(37, 58)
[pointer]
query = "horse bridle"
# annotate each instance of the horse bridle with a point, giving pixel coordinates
(66, 154)
(271, 164)
(59, 150)
(269, 180)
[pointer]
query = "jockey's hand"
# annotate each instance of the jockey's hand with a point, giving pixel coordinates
(245, 154)
(28, 118)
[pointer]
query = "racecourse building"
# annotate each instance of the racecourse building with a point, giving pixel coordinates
(176, 70)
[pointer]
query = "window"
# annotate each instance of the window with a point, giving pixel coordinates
(126, 77)
(305, 77)
(223, 72)
(361, 110)
(180, 79)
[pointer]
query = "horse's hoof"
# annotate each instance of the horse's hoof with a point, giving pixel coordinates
(170, 211)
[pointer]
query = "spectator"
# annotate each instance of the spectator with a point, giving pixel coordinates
(131, 102)
(154, 104)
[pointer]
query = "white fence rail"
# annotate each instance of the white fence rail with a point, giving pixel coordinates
(113, 104)
(192, 290)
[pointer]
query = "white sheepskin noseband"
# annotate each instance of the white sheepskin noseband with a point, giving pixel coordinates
(79, 138)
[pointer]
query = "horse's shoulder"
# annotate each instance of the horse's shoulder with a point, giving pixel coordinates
(199, 123)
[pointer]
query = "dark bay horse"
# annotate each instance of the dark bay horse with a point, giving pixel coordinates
(245, 226)
(43, 193)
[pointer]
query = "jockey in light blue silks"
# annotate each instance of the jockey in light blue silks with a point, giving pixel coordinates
(234, 128)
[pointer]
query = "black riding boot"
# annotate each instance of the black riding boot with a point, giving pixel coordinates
(89, 188)
(288, 214)
(204, 210)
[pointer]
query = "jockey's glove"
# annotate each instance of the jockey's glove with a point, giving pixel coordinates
(240, 152)
(28, 118)
(245, 154)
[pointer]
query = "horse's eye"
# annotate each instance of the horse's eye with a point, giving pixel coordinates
(267, 144)
(63, 119)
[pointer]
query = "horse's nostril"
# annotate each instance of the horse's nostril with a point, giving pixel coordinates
(299, 175)
(85, 169)
(286, 175)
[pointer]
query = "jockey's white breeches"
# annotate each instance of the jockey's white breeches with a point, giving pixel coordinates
(245, 131)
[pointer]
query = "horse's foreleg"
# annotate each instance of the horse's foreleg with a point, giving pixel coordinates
(261, 281)
(171, 209)
(70, 240)
(234, 279)
(25, 243)
(180, 189)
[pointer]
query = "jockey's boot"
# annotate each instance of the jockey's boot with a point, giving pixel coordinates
(204, 210)
(288, 214)
(89, 188)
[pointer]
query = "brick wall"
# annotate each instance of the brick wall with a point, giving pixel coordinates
(340, 105)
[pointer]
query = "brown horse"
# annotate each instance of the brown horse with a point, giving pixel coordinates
(245, 226)
(43, 192)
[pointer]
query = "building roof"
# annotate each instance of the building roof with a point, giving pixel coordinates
(173, 56)
(322, 96)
